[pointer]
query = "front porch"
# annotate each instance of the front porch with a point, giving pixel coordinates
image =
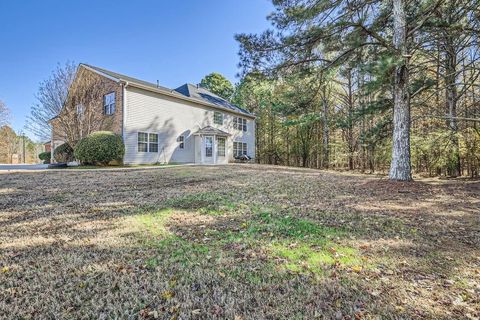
(211, 146)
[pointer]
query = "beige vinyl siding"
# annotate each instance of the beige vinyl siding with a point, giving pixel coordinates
(151, 112)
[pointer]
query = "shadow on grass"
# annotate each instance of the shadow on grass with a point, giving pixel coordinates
(217, 254)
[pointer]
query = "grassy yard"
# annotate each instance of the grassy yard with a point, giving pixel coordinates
(237, 242)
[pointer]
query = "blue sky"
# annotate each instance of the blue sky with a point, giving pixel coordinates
(170, 41)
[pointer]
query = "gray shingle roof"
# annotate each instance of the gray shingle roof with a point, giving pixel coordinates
(126, 78)
(187, 90)
(202, 94)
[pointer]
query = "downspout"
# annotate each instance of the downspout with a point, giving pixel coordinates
(52, 159)
(124, 109)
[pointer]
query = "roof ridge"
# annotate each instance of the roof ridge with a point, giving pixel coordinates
(194, 93)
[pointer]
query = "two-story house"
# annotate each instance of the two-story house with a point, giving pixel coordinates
(188, 124)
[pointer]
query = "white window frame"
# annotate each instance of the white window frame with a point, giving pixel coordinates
(143, 142)
(218, 117)
(152, 143)
(239, 148)
(148, 142)
(109, 108)
(221, 149)
(211, 148)
(240, 124)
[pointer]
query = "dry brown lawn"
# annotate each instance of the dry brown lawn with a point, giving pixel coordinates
(237, 242)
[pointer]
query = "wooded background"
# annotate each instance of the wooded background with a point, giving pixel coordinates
(322, 82)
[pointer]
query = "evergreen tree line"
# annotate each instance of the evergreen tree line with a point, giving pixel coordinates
(375, 86)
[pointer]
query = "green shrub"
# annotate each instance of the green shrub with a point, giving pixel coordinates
(63, 153)
(45, 156)
(100, 148)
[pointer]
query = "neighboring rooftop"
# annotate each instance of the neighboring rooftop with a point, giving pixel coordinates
(188, 90)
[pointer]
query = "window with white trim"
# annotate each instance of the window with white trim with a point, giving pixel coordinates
(181, 140)
(240, 123)
(152, 142)
(239, 148)
(142, 142)
(217, 117)
(147, 142)
(109, 103)
(221, 146)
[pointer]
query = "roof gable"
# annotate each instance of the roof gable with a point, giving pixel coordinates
(187, 90)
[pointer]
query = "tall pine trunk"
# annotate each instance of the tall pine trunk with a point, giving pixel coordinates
(400, 168)
(451, 99)
(351, 142)
(326, 136)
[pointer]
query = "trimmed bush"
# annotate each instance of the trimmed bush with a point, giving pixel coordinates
(100, 148)
(45, 156)
(63, 153)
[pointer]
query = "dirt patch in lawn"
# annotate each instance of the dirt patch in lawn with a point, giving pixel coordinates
(237, 242)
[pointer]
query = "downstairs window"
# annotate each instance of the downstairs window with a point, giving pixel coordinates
(147, 142)
(239, 148)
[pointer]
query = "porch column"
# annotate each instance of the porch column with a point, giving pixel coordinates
(214, 150)
(202, 149)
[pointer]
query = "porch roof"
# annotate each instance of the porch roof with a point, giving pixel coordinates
(208, 130)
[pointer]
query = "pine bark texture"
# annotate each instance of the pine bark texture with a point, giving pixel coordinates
(451, 98)
(400, 168)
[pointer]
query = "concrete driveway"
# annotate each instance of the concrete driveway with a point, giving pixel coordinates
(17, 167)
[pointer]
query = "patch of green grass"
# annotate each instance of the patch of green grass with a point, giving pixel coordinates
(294, 228)
(267, 226)
(153, 233)
(211, 203)
(154, 222)
(173, 249)
(185, 172)
(300, 245)
(304, 257)
(152, 263)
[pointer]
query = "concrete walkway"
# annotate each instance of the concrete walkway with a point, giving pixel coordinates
(9, 168)
(21, 167)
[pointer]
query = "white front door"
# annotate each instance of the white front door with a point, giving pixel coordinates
(208, 149)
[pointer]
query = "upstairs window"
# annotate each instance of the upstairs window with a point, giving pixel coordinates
(109, 103)
(181, 142)
(218, 117)
(147, 142)
(240, 123)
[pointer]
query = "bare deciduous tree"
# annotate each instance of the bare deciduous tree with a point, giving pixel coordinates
(82, 113)
(51, 96)
(9, 144)
(4, 114)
